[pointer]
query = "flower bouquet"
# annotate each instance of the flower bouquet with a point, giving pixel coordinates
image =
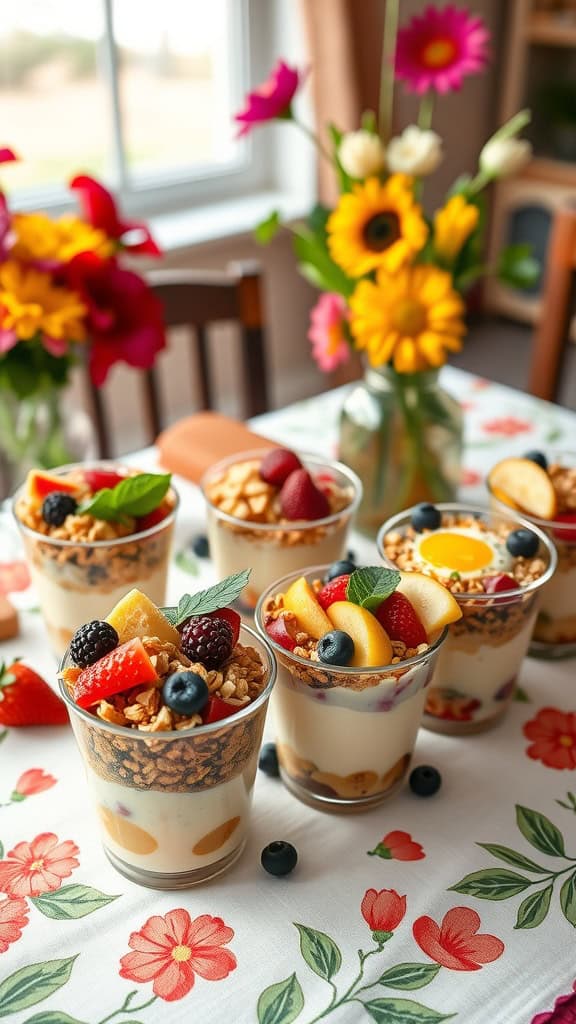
(393, 277)
(64, 297)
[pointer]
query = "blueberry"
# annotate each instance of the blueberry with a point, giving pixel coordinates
(185, 692)
(351, 556)
(339, 569)
(200, 546)
(279, 858)
(425, 780)
(522, 543)
(268, 760)
(336, 648)
(426, 517)
(538, 457)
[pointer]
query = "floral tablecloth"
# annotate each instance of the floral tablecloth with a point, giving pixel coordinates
(477, 885)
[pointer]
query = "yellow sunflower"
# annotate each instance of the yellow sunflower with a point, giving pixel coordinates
(376, 225)
(453, 225)
(30, 304)
(38, 238)
(412, 318)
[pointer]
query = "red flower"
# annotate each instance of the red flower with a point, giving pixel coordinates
(270, 100)
(13, 918)
(7, 155)
(125, 319)
(455, 943)
(14, 576)
(100, 210)
(33, 868)
(399, 846)
(564, 1011)
(554, 736)
(170, 950)
(470, 477)
(384, 910)
(509, 426)
(35, 780)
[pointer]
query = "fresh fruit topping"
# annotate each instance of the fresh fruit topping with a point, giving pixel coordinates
(185, 692)
(200, 546)
(217, 709)
(282, 631)
(136, 615)
(371, 585)
(564, 532)
(498, 584)
(333, 591)
(98, 479)
(522, 543)
(344, 567)
(125, 667)
(527, 485)
(279, 858)
(56, 506)
(268, 761)
(400, 621)
(207, 640)
(301, 499)
(232, 618)
(538, 457)
(25, 699)
(218, 596)
(504, 498)
(425, 780)
(91, 642)
(336, 648)
(433, 603)
(371, 642)
(425, 517)
(277, 465)
(39, 485)
(133, 496)
(152, 518)
(301, 600)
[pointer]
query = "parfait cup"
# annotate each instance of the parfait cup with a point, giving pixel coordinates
(174, 806)
(345, 736)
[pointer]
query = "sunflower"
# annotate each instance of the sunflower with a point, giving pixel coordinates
(453, 225)
(42, 240)
(31, 305)
(412, 318)
(376, 225)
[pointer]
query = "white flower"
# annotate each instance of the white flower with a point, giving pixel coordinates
(415, 152)
(501, 158)
(361, 154)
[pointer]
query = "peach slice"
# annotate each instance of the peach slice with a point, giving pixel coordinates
(525, 484)
(136, 615)
(301, 601)
(432, 602)
(371, 642)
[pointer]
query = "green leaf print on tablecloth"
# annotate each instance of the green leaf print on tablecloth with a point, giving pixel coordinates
(320, 952)
(33, 984)
(56, 1017)
(403, 1011)
(71, 901)
(409, 976)
(281, 1003)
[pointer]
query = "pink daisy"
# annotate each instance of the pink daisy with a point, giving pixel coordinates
(328, 331)
(438, 48)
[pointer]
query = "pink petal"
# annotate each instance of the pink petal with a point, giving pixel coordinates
(213, 963)
(174, 981)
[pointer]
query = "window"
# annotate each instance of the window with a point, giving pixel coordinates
(140, 94)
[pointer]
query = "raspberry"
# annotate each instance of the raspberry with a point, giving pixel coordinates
(209, 641)
(400, 621)
(91, 642)
(301, 499)
(277, 465)
(56, 506)
(334, 590)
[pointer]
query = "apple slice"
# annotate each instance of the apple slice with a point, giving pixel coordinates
(300, 599)
(433, 603)
(371, 642)
(525, 484)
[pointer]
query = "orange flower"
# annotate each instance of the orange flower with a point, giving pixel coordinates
(455, 943)
(35, 780)
(554, 738)
(33, 868)
(13, 918)
(170, 950)
(384, 910)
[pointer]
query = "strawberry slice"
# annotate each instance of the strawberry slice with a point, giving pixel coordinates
(282, 631)
(26, 699)
(565, 534)
(334, 590)
(152, 518)
(217, 709)
(400, 621)
(301, 499)
(98, 479)
(499, 584)
(230, 616)
(125, 667)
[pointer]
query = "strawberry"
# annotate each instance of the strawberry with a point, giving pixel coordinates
(277, 465)
(98, 479)
(25, 699)
(301, 499)
(282, 631)
(232, 617)
(152, 518)
(125, 667)
(497, 584)
(400, 621)
(217, 709)
(565, 534)
(334, 590)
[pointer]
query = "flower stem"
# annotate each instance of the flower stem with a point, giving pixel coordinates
(350, 994)
(314, 139)
(425, 111)
(386, 104)
(126, 1008)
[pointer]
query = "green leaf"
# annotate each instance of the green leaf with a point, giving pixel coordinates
(281, 1003)
(491, 884)
(520, 696)
(318, 267)
(534, 908)
(268, 229)
(219, 596)
(33, 984)
(186, 562)
(370, 586)
(518, 860)
(517, 266)
(403, 1011)
(134, 496)
(319, 951)
(171, 614)
(460, 186)
(56, 1017)
(70, 902)
(539, 831)
(568, 899)
(3, 735)
(409, 976)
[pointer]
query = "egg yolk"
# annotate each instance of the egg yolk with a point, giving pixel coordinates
(456, 552)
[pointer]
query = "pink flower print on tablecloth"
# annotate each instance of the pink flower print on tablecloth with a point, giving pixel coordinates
(35, 780)
(553, 735)
(564, 1011)
(384, 910)
(507, 426)
(31, 869)
(455, 943)
(13, 918)
(398, 845)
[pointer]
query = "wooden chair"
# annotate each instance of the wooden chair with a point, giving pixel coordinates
(195, 300)
(551, 337)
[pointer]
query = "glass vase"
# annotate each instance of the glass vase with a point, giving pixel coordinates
(402, 435)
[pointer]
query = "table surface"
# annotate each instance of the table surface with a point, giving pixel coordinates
(488, 878)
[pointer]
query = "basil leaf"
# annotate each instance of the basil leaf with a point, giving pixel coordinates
(370, 586)
(134, 496)
(219, 596)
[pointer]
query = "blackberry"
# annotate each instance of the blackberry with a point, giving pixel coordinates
(209, 641)
(56, 506)
(91, 642)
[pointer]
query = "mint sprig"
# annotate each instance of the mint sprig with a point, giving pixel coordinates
(371, 585)
(219, 596)
(134, 496)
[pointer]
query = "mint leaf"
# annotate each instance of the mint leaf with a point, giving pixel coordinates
(370, 586)
(219, 596)
(134, 496)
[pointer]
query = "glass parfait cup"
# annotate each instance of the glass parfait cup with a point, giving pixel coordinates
(476, 673)
(174, 806)
(344, 736)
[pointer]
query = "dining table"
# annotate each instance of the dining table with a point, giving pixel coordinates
(474, 887)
